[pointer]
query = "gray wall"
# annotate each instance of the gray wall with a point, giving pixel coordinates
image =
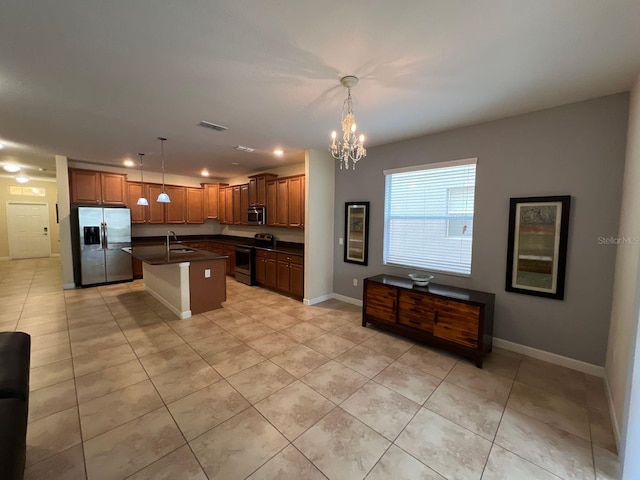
(576, 150)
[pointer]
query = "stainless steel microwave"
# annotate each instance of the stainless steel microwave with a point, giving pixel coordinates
(257, 215)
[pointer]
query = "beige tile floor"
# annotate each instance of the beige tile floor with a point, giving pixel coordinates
(267, 388)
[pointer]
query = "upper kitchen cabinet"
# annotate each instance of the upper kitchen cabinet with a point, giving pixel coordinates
(272, 203)
(258, 188)
(211, 199)
(282, 202)
(222, 204)
(138, 212)
(195, 205)
(237, 217)
(88, 187)
(152, 213)
(244, 204)
(296, 202)
(285, 202)
(228, 205)
(176, 209)
(156, 212)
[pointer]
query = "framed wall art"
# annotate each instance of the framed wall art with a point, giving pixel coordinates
(537, 250)
(356, 232)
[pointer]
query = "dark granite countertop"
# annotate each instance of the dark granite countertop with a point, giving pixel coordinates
(157, 255)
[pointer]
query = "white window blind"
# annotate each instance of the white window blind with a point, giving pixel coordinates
(428, 216)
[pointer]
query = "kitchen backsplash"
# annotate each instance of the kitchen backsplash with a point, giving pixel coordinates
(212, 227)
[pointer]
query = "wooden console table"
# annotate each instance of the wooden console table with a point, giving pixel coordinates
(451, 318)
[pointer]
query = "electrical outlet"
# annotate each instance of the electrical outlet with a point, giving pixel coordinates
(207, 273)
(340, 241)
(355, 282)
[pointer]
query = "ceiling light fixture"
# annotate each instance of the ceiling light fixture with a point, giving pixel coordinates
(350, 147)
(11, 167)
(129, 163)
(204, 172)
(22, 179)
(1, 146)
(278, 152)
(142, 200)
(163, 197)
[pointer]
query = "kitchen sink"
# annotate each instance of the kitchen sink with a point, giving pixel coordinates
(182, 250)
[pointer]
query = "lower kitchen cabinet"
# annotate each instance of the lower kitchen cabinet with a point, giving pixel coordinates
(229, 251)
(267, 269)
(455, 319)
(290, 274)
(136, 268)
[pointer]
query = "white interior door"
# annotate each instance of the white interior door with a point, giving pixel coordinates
(28, 228)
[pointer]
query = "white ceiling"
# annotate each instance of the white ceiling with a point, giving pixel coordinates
(98, 81)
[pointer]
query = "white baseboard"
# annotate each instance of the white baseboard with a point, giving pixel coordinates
(345, 299)
(554, 358)
(320, 299)
(157, 296)
(54, 255)
(612, 414)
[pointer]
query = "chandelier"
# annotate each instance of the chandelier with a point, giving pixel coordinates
(350, 147)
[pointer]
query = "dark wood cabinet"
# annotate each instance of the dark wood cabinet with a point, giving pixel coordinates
(272, 203)
(258, 188)
(455, 319)
(113, 189)
(236, 205)
(282, 201)
(285, 201)
(176, 209)
(229, 251)
(155, 211)
(136, 268)
(228, 205)
(135, 190)
(88, 187)
(296, 202)
(222, 205)
(267, 269)
(290, 274)
(195, 205)
(211, 199)
(244, 204)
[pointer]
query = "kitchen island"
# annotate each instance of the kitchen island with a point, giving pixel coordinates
(188, 281)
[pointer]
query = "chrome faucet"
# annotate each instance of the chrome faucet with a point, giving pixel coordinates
(169, 233)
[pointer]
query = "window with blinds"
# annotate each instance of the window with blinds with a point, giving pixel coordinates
(428, 216)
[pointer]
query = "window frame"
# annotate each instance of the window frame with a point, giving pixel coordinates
(459, 238)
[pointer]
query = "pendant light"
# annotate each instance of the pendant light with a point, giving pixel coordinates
(142, 200)
(163, 197)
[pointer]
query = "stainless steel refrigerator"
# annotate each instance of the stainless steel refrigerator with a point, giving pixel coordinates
(103, 234)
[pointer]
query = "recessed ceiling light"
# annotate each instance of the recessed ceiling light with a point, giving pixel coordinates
(278, 152)
(22, 179)
(204, 172)
(11, 167)
(129, 163)
(235, 163)
(1, 146)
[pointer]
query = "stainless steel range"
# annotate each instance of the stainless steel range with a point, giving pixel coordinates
(245, 257)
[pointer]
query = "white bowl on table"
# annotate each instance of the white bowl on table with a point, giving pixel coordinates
(421, 279)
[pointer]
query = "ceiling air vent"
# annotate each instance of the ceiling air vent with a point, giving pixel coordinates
(245, 149)
(213, 126)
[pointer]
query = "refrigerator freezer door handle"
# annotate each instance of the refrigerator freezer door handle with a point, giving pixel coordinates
(103, 227)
